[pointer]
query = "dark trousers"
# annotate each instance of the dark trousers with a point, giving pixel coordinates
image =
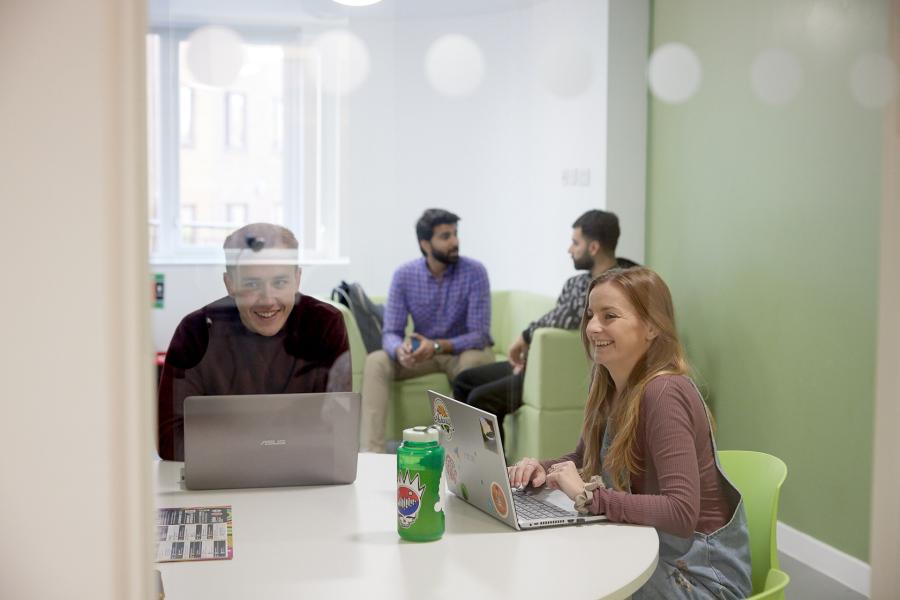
(492, 388)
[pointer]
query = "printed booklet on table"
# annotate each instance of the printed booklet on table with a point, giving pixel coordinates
(196, 533)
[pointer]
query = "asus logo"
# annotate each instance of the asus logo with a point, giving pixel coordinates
(273, 443)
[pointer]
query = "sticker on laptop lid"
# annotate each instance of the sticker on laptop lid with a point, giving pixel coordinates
(452, 472)
(488, 435)
(442, 418)
(498, 500)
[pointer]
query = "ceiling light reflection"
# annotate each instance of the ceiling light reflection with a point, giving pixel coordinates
(674, 73)
(454, 65)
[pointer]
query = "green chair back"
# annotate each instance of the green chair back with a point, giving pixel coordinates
(759, 476)
(357, 348)
(511, 312)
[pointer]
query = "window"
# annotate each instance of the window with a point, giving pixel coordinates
(277, 124)
(188, 223)
(218, 156)
(186, 116)
(235, 120)
(236, 214)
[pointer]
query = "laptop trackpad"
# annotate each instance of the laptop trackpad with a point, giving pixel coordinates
(557, 498)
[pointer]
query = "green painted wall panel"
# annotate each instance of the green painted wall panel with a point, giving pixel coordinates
(764, 222)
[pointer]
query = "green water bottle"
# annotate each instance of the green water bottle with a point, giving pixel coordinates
(420, 461)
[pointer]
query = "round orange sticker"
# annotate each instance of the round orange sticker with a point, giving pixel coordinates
(498, 499)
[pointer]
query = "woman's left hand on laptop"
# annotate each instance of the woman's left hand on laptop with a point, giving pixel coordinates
(564, 476)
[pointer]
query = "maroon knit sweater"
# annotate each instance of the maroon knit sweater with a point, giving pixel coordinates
(679, 490)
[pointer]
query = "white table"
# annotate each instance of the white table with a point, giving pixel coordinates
(341, 541)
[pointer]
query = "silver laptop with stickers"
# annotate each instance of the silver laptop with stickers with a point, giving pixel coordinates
(475, 470)
(270, 440)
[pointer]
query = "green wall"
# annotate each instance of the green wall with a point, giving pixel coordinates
(764, 222)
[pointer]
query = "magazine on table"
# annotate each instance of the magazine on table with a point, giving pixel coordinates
(194, 533)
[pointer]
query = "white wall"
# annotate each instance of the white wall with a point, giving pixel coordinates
(77, 403)
(495, 158)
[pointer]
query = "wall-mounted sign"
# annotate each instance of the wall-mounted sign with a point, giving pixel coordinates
(159, 289)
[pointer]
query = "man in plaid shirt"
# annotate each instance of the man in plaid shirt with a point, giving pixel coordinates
(497, 387)
(449, 299)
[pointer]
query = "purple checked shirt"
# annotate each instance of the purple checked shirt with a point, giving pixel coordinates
(456, 307)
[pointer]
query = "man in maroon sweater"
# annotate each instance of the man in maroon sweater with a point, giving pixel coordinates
(264, 337)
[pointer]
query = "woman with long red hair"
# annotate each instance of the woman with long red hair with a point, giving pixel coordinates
(647, 454)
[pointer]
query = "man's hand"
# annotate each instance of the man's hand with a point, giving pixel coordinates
(564, 476)
(425, 350)
(404, 356)
(517, 354)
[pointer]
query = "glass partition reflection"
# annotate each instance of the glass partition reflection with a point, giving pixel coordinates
(343, 124)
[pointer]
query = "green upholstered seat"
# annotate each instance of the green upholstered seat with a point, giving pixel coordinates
(549, 421)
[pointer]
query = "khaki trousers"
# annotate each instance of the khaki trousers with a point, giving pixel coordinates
(381, 371)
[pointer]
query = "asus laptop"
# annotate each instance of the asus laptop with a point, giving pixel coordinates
(475, 470)
(270, 440)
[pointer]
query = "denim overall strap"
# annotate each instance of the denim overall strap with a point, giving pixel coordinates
(703, 566)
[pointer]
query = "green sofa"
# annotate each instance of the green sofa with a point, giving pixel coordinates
(555, 388)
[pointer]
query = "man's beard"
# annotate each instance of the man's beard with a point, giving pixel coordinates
(447, 259)
(583, 262)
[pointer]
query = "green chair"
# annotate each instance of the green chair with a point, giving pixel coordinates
(555, 387)
(511, 312)
(357, 348)
(759, 476)
(436, 381)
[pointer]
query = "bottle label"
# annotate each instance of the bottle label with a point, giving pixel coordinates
(409, 499)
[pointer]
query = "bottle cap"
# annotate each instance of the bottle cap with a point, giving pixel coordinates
(420, 434)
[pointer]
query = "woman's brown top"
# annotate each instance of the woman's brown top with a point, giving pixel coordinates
(679, 489)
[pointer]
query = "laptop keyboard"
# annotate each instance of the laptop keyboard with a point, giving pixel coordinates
(528, 507)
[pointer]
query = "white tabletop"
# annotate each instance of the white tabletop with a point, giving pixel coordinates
(341, 541)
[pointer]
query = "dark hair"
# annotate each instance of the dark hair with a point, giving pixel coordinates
(430, 219)
(257, 236)
(625, 263)
(600, 226)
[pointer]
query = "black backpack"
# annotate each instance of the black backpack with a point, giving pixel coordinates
(369, 316)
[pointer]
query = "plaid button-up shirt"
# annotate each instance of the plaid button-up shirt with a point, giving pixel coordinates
(456, 307)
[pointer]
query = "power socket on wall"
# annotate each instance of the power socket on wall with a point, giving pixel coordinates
(576, 177)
